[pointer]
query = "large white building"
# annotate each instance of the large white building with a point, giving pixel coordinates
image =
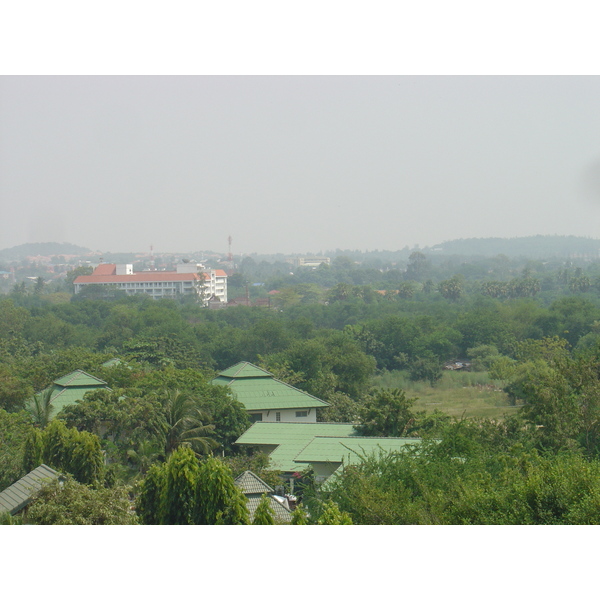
(189, 278)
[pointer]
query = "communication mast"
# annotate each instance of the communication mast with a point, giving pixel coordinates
(230, 256)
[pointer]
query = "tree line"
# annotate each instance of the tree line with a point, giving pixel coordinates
(535, 334)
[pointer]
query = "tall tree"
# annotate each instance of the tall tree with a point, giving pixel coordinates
(386, 413)
(149, 502)
(218, 500)
(184, 491)
(75, 452)
(185, 423)
(332, 515)
(40, 408)
(181, 479)
(264, 514)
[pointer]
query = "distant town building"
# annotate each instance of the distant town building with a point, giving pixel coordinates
(188, 278)
(311, 261)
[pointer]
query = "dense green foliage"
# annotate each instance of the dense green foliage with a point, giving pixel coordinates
(67, 450)
(530, 327)
(72, 503)
(471, 485)
(264, 514)
(14, 432)
(183, 491)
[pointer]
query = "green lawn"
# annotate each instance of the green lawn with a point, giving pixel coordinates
(457, 394)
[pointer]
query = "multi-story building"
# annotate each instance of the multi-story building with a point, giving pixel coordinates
(188, 278)
(310, 261)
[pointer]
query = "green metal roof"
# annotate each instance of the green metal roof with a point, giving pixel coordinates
(79, 378)
(288, 439)
(257, 389)
(71, 388)
(349, 450)
(20, 494)
(111, 362)
(245, 369)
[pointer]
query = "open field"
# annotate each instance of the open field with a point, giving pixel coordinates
(457, 394)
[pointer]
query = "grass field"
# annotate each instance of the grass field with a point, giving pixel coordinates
(456, 393)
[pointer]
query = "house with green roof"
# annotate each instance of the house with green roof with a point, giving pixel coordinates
(282, 442)
(327, 447)
(71, 388)
(267, 399)
(328, 454)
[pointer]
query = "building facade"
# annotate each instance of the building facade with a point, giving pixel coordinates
(187, 279)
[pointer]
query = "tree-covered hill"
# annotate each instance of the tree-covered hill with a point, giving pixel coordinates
(42, 249)
(535, 246)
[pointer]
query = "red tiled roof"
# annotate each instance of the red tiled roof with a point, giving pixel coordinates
(105, 269)
(144, 276)
(106, 273)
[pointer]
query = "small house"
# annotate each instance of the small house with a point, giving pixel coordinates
(268, 399)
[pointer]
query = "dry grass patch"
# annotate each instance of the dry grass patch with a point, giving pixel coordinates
(456, 394)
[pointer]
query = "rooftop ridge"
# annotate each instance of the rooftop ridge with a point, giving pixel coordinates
(73, 375)
(240, 366)
(294, 423)
(249, 474)
(365, 437)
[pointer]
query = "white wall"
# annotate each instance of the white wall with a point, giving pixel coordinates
(289, 415)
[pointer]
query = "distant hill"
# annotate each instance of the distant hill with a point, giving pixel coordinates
(537, 246)
(42, 249)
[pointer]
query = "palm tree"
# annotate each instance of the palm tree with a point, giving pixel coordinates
(146, 454)
(40, 407)
(185, 423)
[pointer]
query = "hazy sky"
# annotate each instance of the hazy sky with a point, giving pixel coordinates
(296, 164)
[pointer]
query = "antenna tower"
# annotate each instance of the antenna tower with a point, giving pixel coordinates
(229, 256)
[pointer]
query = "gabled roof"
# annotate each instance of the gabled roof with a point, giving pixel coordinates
(245, 369)
(105, 269)
(350, 450)
(72, 387)
(282, 514)
(253, 488)
(250, 483)
(17, 496)
(288, 439)
(79, 378)
(258, 389)
(111, 362)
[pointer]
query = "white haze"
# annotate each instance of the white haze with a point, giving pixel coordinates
(296, 164)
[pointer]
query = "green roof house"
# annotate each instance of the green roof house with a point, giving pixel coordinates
(268, 399)
(292, 447)
(328, 455)
(71, 388)
(282, 442)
